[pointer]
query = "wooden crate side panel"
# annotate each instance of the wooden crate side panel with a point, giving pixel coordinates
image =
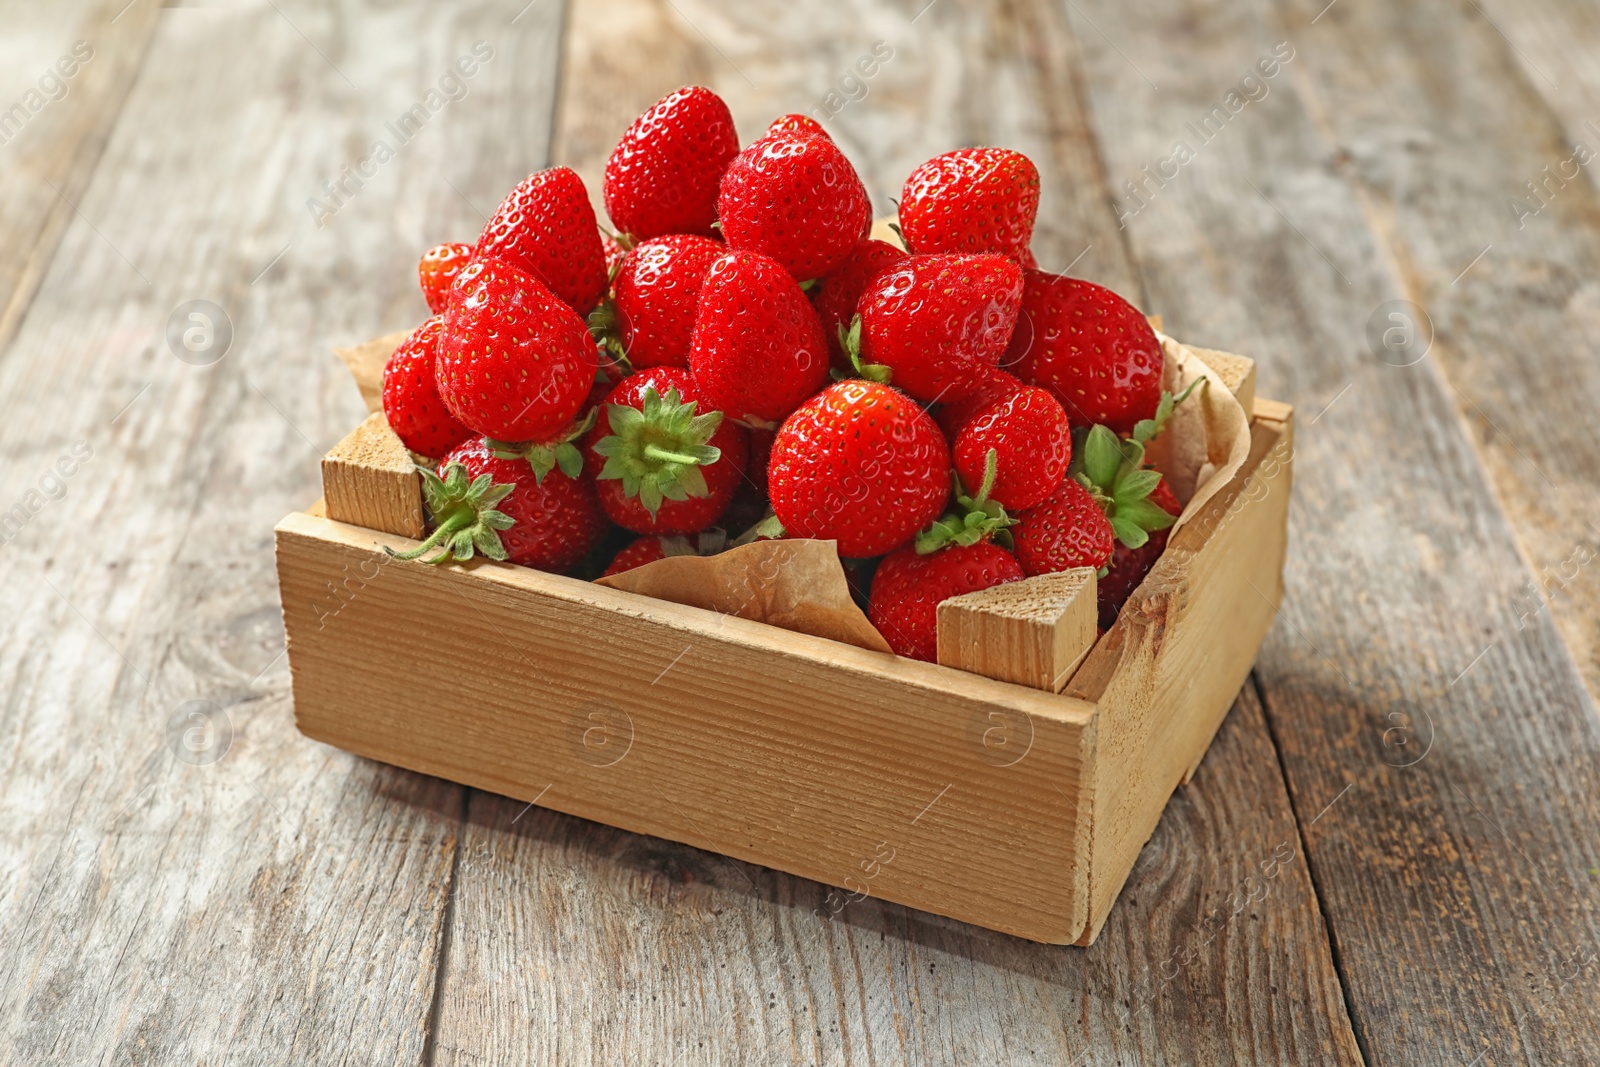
(1165, 676)
(369, 479)
(908, 781)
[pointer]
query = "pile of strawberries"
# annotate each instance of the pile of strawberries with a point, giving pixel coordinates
(741, 360)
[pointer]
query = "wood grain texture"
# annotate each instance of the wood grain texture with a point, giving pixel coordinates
(366, 361)
(69, 67)
(708, 959)
(282, 901)
(369, 479)
(1034, 632)
(1443, 759)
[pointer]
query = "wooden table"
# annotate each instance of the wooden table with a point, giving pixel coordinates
(1392, 852)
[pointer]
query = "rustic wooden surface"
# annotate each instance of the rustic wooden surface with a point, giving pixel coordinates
(184, 879)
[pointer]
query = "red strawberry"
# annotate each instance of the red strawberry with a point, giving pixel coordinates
(796, 198)
(411, 400)
(1089, 347)
(993, 385)
(437, 270)
(758, 349)
(664, 174)
(481, 503)
(940, 322)
(663, 467)
(836, 295)
(515, 363)
(971, 200)
(1029, 432)
(1066, 531)
(794, 123)
(657, 295)
(1130, 565)
(650, 549)
(859, 463)
(908, 588)
(546, 227)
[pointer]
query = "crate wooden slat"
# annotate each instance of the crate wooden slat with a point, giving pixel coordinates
(1017, 807)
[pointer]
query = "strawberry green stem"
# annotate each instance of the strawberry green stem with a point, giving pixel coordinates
(445, 530)
(661, 455)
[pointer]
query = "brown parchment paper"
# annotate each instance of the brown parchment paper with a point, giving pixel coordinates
(796, 584)
(1206, 440)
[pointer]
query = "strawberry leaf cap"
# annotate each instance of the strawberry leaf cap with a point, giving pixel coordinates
(975, 517)
(1146, 430)
(544, 456)
(850, 341)
(464, 516)
(657, 450)
(1110, 469)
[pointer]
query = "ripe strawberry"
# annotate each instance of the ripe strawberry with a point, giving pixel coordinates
(411, 400)
(481, 503)
(664, 174)
(437, 271)
(758, 349)
(1111, 470)
(662, 467)
(615, 250)
(971, 200)
(837, 294)
(546, 227)
(908, 588)
(796, 198)
(657, 295)
(1068, 530)
(1130, 565)
(1029, 432)
(795, 123)
(514, 363)
(1089, 347)
(653, 548)
(940, 322)
(992, 385)
(859, 463)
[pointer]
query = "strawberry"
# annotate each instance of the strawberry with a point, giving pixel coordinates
(758, 349)
(992, 385)
(909, 586)
(657, 295)
(1068, 530)
(615, 250)
(939, 323)
(859, 463)
(971, 200)
(1112, 472)
(837, 293)
(796, 123)
(514, 363)
(1130, 565)
(1029, 432)
(796, 198)
(411, 400)
(663, 468)
(437, 270)
(650, 549)
(481, 503)
(1089, 347)
(546, 227)
(664, 174)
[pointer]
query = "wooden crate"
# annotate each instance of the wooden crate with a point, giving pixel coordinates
(1018, 807)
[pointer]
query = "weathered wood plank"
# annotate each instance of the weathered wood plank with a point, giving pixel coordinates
(1442, 757)
(574, 943)
(186, 882)
(69, 67)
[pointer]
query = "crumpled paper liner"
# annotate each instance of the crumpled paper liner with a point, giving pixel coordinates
(795, 584)
(1207, 438)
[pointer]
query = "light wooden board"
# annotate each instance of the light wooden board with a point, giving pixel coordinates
(1442, 759)
(369, 479)
(285, 901)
